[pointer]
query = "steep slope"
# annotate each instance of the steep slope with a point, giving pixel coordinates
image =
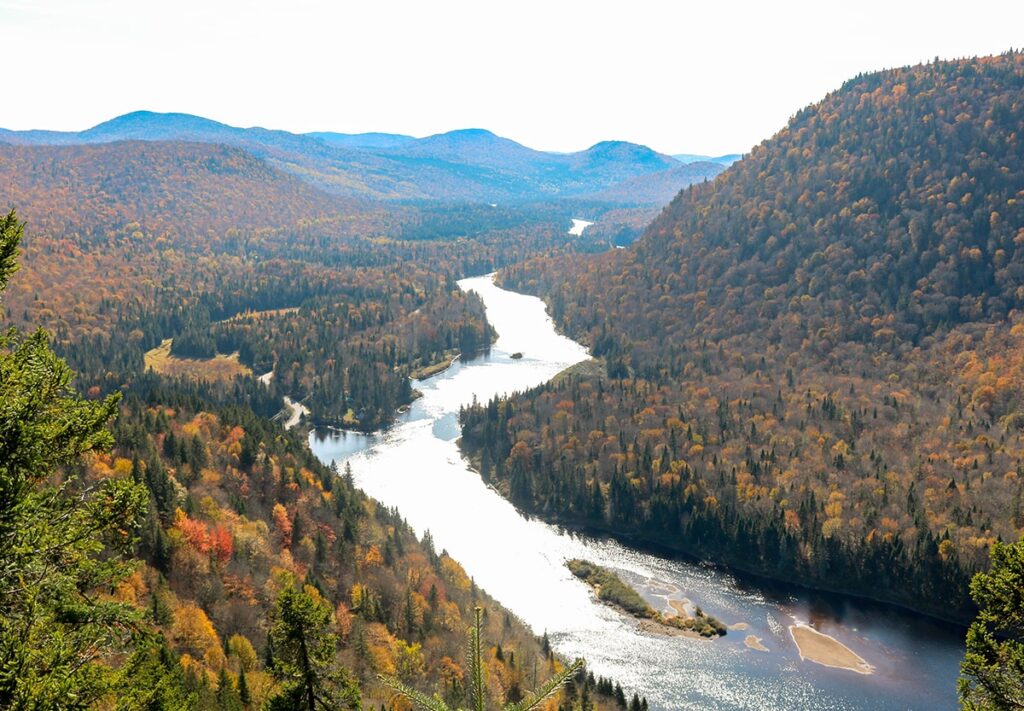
(812, 362)
(897, 194)
(239, 510)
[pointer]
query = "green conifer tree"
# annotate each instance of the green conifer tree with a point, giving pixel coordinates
(477, 683)
(62, 539)
(993, 666)
(305, 652)
(244, 694)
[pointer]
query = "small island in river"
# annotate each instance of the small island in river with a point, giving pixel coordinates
(610, 588)
(823, 649)
(754, 642)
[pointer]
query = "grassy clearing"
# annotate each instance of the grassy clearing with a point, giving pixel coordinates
(257, 315)
(434, 368)
(219, 368)
(591, 368)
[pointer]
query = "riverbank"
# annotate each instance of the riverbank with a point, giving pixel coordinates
(415, 467)
(727, 555)
(757, 577)
(720, 542)
(429, 371)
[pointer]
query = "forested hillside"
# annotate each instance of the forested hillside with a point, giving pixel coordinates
(207, 557)
(165, 186)
(134, 243)
(812, 363)
(239, 512)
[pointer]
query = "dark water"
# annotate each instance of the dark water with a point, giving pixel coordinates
(416, 467)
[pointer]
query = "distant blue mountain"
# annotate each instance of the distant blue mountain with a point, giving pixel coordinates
(726, 160)
(371, 141)
(468, 164)
(658, 188)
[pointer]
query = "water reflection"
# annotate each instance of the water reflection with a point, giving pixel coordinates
(332, 444)
(416, 467)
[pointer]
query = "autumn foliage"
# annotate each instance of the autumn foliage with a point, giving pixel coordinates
(810, 363)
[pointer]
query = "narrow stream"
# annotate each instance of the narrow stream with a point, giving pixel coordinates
(416, 466)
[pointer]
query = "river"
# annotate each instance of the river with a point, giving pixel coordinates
(416, 467)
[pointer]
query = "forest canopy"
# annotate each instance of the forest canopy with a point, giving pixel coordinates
(811, 363)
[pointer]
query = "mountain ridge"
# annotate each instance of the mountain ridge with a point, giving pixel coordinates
(466, 164)
(725, 160)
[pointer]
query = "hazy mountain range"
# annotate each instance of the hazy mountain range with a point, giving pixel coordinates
(468, 164)
(726, 160)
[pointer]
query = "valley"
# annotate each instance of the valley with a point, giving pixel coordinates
(802, 374)
(416, 467)
(287, 417)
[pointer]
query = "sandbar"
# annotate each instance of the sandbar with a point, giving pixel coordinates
(822, 649)
(680, 607)
(754, 642)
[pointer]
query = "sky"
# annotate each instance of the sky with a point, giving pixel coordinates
(697, 77)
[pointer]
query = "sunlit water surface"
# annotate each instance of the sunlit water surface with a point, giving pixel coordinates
(416, 467)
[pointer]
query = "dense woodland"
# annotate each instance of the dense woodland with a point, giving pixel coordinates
(240, 529)
(229, 540)
(240, 511)
(310, 287)
(811, 365)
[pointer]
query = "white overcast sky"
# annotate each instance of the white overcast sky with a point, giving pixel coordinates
(700, 77)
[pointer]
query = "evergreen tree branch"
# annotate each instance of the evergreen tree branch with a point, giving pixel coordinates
(547, 689)
(428, 703)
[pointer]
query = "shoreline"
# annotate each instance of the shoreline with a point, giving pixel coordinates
(737, 653)
(672, 550)
(429, 371)
(607, 587)
(667, 549)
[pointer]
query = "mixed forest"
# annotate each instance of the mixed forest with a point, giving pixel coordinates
(207, 539)
(810, 367)
(341, 300)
